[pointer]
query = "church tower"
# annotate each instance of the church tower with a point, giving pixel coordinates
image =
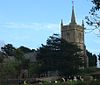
(74, 33)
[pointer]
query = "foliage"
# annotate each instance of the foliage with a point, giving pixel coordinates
(92, 59)
(75, 83)
(59, 55)
(9, 69)
(19, 54)
(1, 57)
(94, 18)
(89, 70)
(15, 60)
(99, 57)
(25, 49)
(8, 49)
(34, 69)
(97, 82)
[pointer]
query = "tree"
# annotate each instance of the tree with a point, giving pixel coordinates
(25, 49)
(34, 69)
(59, 55)
(14, 66)
(19, 54)
(8, 49)
(9, 69)
(99, 59)
(1, 57)
(94, 18)
(92, 59)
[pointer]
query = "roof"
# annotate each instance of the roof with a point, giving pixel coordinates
(31, 56)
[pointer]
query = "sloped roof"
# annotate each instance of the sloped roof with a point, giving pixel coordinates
(31, 56)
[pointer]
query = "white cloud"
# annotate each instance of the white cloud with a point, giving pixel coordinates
(97, 31)
(29, 34)
(35, 26)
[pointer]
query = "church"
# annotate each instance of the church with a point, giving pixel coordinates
(74, 33)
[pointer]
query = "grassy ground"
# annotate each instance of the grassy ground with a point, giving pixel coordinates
(92, 82)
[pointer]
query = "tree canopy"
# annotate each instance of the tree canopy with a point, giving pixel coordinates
(92, 59)
(25, 49)
(8, 50)
(94, 18)
(59, 55)
(12, 60)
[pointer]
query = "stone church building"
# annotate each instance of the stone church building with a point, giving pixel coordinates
(74, 33)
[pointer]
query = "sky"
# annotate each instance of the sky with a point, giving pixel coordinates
(30, 22)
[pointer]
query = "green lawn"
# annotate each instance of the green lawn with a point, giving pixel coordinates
(92, 82)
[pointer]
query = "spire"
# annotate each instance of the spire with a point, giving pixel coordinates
(61, 22)
(73, 20)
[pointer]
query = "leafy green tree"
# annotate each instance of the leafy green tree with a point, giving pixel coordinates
(92, 59)
(13, 67)
(9, 69)
(94, 18)
(59, 55)
(1, 57)
(34, 69)
(19, 54)
(8, 49)
(25, 49)
(99, 58)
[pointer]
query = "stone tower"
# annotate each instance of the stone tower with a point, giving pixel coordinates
(74, 33)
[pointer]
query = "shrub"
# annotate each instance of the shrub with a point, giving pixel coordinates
(97, 82)
(76, 83)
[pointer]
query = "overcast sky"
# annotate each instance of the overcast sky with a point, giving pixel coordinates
(30, 22)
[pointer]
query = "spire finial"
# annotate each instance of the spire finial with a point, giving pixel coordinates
(73, 21)
(72, 3)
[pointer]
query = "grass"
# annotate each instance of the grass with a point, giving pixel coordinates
(92, 82)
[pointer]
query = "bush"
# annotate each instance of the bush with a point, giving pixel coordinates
(52, 83)
(97, 82)
(66, 83)
(76, 83)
